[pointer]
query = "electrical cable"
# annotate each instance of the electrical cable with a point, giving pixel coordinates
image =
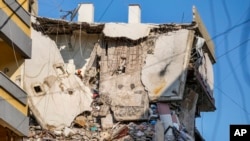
(229, 30)
(106, 9)
(232, 100)
(55, 7)
(232, 49)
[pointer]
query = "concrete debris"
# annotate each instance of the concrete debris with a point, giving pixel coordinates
(68, 132)
(105, 136)
(56, 97)
(100, 105)
(119, 132)
(127, 85)
(107, 122)
(81, 121)
(58, 133)
(125, 30)
(164, 72)
(90, 128)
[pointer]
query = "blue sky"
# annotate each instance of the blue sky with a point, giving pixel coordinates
(228, 23)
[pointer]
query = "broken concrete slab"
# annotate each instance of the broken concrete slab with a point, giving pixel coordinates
(55, 96)
(164, 73)
(107, 122)
(115, 30)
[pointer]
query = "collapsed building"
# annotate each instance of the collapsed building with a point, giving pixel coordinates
(118, 81)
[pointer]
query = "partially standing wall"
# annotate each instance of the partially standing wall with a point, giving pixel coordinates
(120, 78)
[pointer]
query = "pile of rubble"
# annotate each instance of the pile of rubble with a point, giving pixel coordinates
(99, 125)
(92, 131)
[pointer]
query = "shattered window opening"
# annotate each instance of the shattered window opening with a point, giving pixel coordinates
(37, 89)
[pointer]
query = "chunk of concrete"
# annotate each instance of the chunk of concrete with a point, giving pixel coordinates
(81, 120)
(68, 132)
(107, 122)
(126, 30)
(55, 96)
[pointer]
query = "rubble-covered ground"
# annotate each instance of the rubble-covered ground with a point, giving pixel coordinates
(93, 132)
(90, 126)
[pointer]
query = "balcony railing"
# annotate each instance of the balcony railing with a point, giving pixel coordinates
(15, 26)
(13, 107)
(14, 90)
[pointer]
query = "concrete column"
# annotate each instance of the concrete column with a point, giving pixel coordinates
(134, 13)
(86, 13)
